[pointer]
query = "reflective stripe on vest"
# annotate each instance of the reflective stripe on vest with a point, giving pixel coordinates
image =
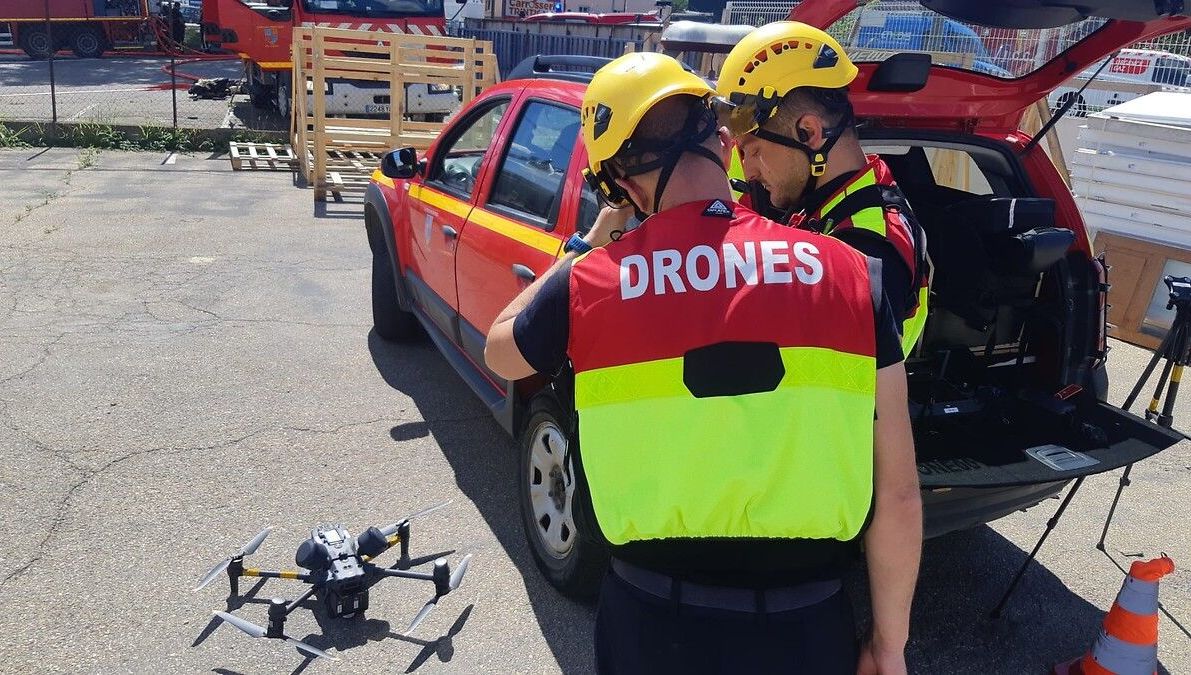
(873, 220)
(788, 451)
(753, 473)
(914, 324)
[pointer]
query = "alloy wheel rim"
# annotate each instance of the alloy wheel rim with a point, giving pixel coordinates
(551, 492)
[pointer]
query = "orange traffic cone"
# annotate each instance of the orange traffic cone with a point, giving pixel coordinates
(1128, 641)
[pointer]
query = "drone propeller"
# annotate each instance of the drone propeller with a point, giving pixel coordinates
(456, 580)
(246, 549)
(256, 631)
(390, 530)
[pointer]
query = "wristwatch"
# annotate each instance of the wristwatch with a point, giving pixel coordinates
(576, 244)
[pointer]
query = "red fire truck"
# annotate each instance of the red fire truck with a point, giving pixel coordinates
(88, 27)
(261, 32)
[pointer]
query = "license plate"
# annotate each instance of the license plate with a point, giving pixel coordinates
(376, 108)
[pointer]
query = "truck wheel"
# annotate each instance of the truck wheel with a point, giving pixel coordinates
(1080, 109)
(87, 43)
(283, 100)
(36, 43)
(390, 321)
(571, 562)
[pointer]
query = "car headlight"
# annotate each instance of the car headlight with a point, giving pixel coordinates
(441, 89)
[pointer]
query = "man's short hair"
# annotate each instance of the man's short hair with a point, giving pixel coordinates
(830, 104)
(662, 124)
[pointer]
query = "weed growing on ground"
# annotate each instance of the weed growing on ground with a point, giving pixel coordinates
(99, 136)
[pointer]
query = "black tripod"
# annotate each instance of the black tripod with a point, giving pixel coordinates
(1176, 351)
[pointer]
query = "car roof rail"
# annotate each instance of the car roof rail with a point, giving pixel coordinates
(540, 66)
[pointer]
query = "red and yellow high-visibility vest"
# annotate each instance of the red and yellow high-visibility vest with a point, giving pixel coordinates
(889, 224)
(725, 378)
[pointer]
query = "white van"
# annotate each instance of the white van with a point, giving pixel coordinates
(1143, 67)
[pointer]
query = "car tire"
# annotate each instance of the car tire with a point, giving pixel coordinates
(388, 319)
(87, 43)
(572, 562)
(35, 42)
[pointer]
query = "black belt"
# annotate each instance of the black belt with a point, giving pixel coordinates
(768, 600)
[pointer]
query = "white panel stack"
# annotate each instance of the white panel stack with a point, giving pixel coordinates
(1132, 172)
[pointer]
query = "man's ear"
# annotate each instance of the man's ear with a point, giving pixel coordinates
(727, 147)
(809, 130)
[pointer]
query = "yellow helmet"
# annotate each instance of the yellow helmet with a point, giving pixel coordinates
(622, 92)
(768, 63)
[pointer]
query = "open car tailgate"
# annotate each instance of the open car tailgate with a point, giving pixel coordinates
(1105, 438)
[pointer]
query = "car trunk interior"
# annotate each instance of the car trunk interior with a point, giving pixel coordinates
(1011, 312)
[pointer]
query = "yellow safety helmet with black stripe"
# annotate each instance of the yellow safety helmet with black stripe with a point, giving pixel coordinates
(619, 96)
(769, 63)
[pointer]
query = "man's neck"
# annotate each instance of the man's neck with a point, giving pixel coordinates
(844, 159)
(695, 184)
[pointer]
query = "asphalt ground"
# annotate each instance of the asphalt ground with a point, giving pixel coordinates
(186, 356)
(119, 90)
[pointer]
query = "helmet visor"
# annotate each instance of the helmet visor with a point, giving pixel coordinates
(738, 113)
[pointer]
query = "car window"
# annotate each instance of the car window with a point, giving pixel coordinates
(589, 208)
(457, 165)
(535, 164)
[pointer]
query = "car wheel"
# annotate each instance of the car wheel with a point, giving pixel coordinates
(36, 43)
(572, 562)
(87, 44)
(389, 320)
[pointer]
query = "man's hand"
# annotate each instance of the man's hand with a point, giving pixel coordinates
(879, 661)
(608, 221)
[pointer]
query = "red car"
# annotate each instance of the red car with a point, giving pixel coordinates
(1007, 386)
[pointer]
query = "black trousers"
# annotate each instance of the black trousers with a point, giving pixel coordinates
(640, 633)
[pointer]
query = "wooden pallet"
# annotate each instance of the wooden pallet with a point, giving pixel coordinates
(278, 157)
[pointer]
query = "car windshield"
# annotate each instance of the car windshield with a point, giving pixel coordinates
(377, 9)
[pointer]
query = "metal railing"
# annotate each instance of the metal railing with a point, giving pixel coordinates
(878, 29)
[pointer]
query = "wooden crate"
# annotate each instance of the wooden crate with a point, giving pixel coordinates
(262, 156)
(1136, 268)
(320, 54)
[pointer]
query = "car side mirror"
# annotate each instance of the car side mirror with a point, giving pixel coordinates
(401, 163)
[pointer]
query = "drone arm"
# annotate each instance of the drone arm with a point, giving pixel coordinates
(302, 598)
(400, 574)
(274, 574)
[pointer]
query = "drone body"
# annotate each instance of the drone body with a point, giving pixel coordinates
(340, 572)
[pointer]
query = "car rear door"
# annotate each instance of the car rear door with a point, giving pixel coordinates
(439, 206)
(513, 235)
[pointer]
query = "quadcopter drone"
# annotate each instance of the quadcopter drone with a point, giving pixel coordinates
(340, 572)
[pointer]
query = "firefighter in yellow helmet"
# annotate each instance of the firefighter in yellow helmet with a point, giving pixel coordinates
(782, 94)
(726, 374)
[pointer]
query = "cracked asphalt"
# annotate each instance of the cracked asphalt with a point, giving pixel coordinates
(186, 357)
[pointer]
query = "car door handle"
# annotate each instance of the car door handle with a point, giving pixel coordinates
(450, 231)
(524, 272)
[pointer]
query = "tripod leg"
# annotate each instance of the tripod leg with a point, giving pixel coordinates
(1151, 413)
(1124, 482)
(1166, 419)
(1050, 525)
(1149, 370)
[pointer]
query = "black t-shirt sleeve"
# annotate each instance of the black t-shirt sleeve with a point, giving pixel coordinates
(889, 338)
(895, 275)
(542, 329)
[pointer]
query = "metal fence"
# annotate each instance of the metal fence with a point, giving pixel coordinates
(878, 29)
(133, 83)
(513, 47)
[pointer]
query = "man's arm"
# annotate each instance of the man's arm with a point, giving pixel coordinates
(893, 542)
(895, 275)
(501, 352)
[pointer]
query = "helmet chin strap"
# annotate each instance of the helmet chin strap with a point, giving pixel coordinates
(691, 139)
(817, 158)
